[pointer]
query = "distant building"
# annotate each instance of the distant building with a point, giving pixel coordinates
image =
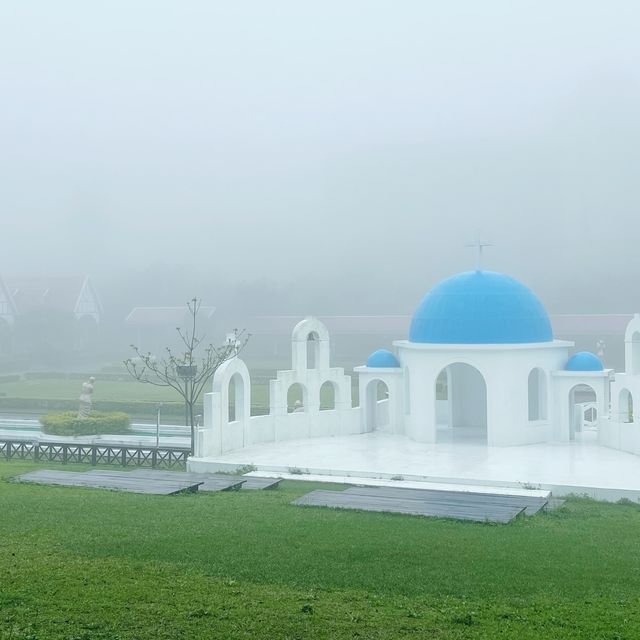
(73, 297)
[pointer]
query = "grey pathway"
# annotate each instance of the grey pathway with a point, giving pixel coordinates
(479, 511)
(222, 483)
(211, 479)
(120, 481)
(531, 505)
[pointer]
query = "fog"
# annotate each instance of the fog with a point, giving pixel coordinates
(333, 157)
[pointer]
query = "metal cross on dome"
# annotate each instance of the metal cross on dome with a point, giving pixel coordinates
(479, 245)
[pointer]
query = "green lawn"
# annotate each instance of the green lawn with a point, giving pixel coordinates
(82, 563)
(70, 390)
(119, 391)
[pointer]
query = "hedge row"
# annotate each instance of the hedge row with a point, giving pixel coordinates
(68, 424)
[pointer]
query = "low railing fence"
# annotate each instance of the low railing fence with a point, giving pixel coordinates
(95, 454)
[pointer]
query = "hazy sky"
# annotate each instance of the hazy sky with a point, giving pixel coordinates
(304, 140)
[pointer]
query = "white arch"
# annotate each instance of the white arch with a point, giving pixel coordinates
(304, 400)
(537, 394)
(219, 433)
(632, 346)
(376, 410)
(625, 406)
(577, 411)
(467, 406)
(336, 394)
(237, 370)
(299, 341)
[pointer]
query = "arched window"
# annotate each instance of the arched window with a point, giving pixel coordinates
(537, 395)
(236, 398)
(313, 350)
(625, 406)
(297, 398)
(328, 393)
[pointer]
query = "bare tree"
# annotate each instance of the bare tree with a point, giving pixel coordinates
(186, 372)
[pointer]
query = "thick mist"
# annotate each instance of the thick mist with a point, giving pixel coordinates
(288, 157)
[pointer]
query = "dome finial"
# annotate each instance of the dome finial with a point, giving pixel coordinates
(478, 245)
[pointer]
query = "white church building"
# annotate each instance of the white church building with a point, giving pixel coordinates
(480, 391)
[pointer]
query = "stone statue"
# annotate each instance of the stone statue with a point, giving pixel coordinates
(85, 398)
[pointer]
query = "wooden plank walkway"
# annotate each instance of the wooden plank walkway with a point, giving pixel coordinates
(480, 512)
(531, 504)
(226, 483)
(212, 479)
(119, 481)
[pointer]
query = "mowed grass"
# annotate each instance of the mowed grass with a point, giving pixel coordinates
(125, 390)
(128, 390)
(83, 563)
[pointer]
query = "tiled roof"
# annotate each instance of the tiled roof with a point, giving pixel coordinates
(52, 293)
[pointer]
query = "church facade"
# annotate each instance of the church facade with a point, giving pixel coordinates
(480, 365)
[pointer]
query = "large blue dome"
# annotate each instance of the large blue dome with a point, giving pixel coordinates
(480, 307)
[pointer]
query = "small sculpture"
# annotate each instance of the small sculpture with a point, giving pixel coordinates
(85, 398)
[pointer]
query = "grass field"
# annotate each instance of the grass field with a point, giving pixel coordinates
(119, 391)
(82, 563)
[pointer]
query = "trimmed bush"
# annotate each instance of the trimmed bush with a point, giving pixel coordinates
(68, 423)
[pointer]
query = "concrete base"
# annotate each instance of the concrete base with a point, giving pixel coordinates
(580, 467)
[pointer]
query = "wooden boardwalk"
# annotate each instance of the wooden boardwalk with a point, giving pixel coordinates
(530, 504)
(479, 507)
(114, 480)
(223, 483)
(212, 480)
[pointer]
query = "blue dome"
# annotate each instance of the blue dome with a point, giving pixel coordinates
(480, 307)
(382, 358)
(584, 361)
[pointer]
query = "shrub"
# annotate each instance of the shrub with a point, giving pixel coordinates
(68, 423)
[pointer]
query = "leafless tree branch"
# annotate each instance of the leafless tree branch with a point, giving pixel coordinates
(164, 372)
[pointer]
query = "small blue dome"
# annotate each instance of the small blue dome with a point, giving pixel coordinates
(584, 361)
(480, 307)
(382, 358)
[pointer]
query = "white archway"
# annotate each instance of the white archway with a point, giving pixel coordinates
(635, 352)
(297, 398)
(625, 406)
(537, 395)
(235, 397)
(376, 406)
(583, 410)
(464, 416)
(632, 346)
(329, 395)
(309, 335)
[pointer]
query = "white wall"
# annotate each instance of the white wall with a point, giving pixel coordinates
(218, 435)
(563, 383)
(505, 369)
